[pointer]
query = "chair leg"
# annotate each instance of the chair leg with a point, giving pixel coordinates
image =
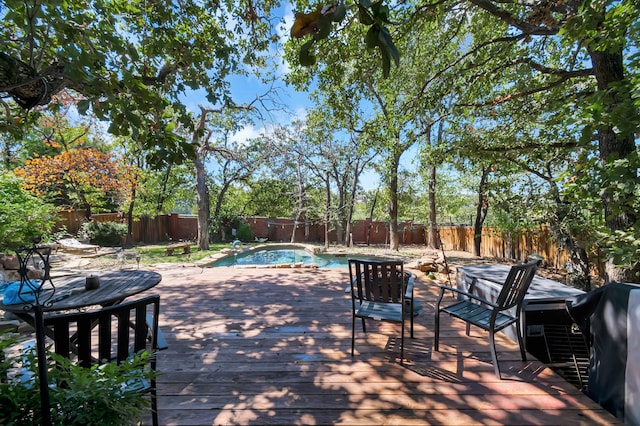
(402, 343)
(353, 333)
(154, 408)
(436, 336)
(523, 353)
(411, 316)
(437, 329)
(494, 356)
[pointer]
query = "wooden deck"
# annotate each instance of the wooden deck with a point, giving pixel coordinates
(272, 346)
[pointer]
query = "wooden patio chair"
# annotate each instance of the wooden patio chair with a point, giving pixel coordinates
(122, 330)
(491, 316)
(381, 290)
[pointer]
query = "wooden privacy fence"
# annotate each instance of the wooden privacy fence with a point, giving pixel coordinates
(148, 230)
(175, 227)
(500, 245)
(362, 231)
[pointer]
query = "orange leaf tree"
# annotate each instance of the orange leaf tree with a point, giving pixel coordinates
(81, 178)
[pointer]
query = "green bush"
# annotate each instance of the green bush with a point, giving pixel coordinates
(24, 218)
(104, 233)
(78, 396)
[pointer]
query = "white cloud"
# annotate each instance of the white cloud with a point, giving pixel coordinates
(249, 132)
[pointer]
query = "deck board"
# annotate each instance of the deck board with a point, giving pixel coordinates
(272, 346)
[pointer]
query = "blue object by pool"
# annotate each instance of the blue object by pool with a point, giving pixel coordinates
(268, 257)
(11, 290)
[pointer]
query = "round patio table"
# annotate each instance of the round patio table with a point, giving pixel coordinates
(70, 292)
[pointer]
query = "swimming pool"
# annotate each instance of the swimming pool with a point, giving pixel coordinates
(271, 257)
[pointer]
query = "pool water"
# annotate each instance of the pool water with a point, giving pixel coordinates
(282, 256)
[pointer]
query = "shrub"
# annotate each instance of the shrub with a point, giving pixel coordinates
(78, 395)
(105, 234)
(245, 233)
(24, 218)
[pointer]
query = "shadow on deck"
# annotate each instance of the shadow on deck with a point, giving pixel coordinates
(272, 346)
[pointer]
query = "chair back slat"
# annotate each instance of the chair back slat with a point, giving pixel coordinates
(140, 334)
(104, 335)
(83, 342)
(516, 285)
(61, 334)
(122, 349)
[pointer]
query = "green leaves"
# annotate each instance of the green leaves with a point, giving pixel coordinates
(320, 23)
(376, 15)
(23, 216)
(364, 16)
(128, 61)
(379, 37)
(306, 56)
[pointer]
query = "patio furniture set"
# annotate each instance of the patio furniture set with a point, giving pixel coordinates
(72, 329)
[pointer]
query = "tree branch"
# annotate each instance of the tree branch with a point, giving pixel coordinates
(471, 52)
(519, 95)
(547, 70)
(525, 27)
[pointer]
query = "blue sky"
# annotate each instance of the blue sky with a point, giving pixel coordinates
(245, 89)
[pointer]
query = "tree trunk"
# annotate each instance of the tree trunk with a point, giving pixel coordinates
(300, 206)
(481, 211)
(394, 243)
(162, 195)
(609, 72)
(340, 217)
(203, 202)
(327, 217)
(130, 216)
(352, 199)
(202, 191)
(217, 209)
(434, 241)
(370, 224)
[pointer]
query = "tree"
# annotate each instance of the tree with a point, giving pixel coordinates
(338, 160)
(290, 145)
(125, 60)
(236, 163)
(84, 178)
(34, 221)
(153, 188)
(592, 38)
(573, 53)
(267, 196)
(392, 114)
(567, 57)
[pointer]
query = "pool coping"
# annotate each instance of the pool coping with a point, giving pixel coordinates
(313, 249)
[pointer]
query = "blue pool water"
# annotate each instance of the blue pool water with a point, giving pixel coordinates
(282, 256)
